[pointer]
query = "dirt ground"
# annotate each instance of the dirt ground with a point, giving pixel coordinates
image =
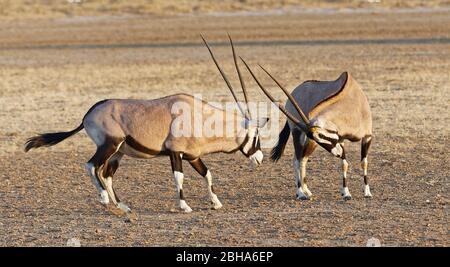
(53, 70)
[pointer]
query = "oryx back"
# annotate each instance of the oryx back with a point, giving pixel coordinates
(341, 104)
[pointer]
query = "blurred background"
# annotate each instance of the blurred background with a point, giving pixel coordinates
(16, 9)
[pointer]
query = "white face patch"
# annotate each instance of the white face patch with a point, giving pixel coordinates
(337, 150)
(257, 157)
(251, 135)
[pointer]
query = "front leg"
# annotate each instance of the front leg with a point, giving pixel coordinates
(198, 165)
(177, 168)
(344, 189)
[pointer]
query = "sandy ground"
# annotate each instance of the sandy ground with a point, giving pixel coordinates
(52, 71)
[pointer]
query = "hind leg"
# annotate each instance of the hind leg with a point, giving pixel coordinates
(108, 171)
(177, 168)
(303, 147)
(200, 167)
(344, 189)
(97, 166)
(365, 144)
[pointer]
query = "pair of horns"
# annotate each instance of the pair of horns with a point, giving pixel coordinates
(305, 119)
(290, 97)
(245, 112)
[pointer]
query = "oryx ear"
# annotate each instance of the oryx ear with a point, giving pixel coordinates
(259, 123)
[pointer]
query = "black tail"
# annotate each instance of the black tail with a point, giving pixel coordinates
(49, 139)
(277, 151)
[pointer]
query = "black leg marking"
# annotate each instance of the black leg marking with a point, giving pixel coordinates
(103, 153)
(176, 162)
(365, 145)
(199, 166)
(177, 168)
(181, 194)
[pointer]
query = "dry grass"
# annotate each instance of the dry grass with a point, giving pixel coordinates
(20, 9)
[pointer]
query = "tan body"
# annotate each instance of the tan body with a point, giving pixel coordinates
(149, 123)
(338, 105)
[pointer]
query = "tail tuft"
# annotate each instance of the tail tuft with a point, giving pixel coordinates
(49, 139)
(278, 150)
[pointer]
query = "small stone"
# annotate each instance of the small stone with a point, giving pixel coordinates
(73, 242)
(373, 242)
(427, 201)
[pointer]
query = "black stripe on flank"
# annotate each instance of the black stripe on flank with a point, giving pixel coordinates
(332, 95)
(133, 143)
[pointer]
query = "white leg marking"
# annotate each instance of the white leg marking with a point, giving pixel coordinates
(303, 175)
(346, 193)
(367, 191)
(179, 177)
(185, 206)
(212, 195)
(344, 189)
(303, 192)
(104, 199)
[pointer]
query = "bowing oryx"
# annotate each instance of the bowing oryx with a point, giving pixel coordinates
(150, 128)
(336, 111)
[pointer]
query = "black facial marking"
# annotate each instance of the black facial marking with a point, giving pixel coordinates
(255, 145)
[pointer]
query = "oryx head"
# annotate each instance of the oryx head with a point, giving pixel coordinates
(251, 144)
(324, 135)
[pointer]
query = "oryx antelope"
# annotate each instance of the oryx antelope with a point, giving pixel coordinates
(144, 129)
(336, 111)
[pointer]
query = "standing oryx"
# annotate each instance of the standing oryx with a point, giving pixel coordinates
(337, 111)
(150, 128)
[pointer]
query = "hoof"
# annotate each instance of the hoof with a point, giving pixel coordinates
(184, 207)
(367, 193)
(104, 198)
(216, 202)
(187, 210)
(123, 207)
(346, 198)
(304, 197)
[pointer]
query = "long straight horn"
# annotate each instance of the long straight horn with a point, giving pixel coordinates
(224, 77)
(291, 98)
(289, 115)
(241, 80)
